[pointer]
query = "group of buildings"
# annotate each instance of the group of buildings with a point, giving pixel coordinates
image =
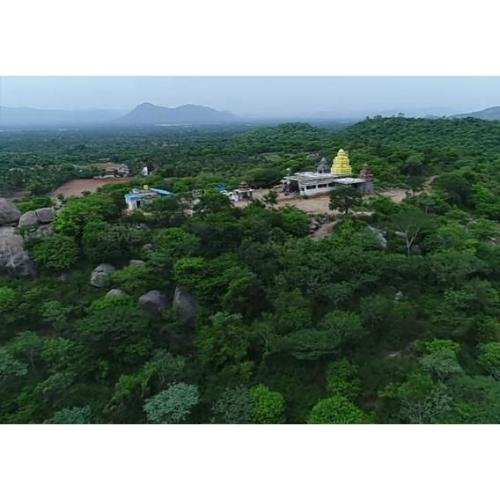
(307, 184)
(325, 179)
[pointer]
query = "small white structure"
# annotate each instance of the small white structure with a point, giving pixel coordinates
(242, 193)
(144, 171)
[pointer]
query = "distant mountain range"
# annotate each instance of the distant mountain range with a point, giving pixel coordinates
(144, 114)
(147, 114)
(19, 117)
(485, 114)
(189, 114)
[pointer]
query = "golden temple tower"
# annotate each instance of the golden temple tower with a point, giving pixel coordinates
(341, 166)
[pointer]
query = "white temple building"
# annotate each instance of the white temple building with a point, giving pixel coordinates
(322, 182)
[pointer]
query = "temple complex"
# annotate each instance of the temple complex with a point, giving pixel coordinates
(321, 181)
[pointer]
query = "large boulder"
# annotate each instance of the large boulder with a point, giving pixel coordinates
(45, 214)
(28, 219)
(100, 275)
(186, 305)
(14, 260)
(39, 216)
(153, 301)
(116, 292)
(9, 214)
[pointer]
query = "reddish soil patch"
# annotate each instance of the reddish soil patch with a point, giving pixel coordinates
(77, 187)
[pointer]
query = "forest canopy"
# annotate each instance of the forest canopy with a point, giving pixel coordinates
(391, 318)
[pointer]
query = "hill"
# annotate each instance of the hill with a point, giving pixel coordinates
(492, 113)
(149, 114)
(25, 116)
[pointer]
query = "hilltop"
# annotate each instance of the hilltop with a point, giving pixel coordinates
(26, 116)
(188, 114)
(492, 113)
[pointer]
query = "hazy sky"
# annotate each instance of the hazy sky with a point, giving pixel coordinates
(264, 96)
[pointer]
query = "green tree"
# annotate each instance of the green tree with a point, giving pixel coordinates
(271, 198)
(489, 358)
(177, 242)
(56, 314)
(57, 253)
(223, 341)
(268, 407)
(173, 405)
(104, 242)
(10, 367)
(441, 358)
(411, 223)
(234, 406)
(78, 212)
(342, 379)
(117, 329)
(336, 410)
(75, 415)
(344, 199)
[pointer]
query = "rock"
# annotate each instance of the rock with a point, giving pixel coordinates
(136, 262)
(14, 260)
(116, 292)
(314, 225)
(186, 305)
(45, 215)
(100, 275)
(35, 217)
(147, 247)
(153, 301)
(28, 219)
(9, 214)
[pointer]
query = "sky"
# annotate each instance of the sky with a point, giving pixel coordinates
(259, 96)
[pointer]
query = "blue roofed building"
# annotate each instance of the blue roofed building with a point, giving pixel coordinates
(138, 198)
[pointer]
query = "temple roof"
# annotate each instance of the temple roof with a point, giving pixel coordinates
(341, 166)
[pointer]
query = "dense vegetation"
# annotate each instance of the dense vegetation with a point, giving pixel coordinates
(393, 318)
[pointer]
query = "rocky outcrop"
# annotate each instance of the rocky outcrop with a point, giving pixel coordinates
(186, 305)
(14, 260)
(100, 275)
(9, 214)
(116, 292)
(153, 301)
(40, 216)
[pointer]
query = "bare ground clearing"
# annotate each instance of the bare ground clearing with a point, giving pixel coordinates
(77, 187)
